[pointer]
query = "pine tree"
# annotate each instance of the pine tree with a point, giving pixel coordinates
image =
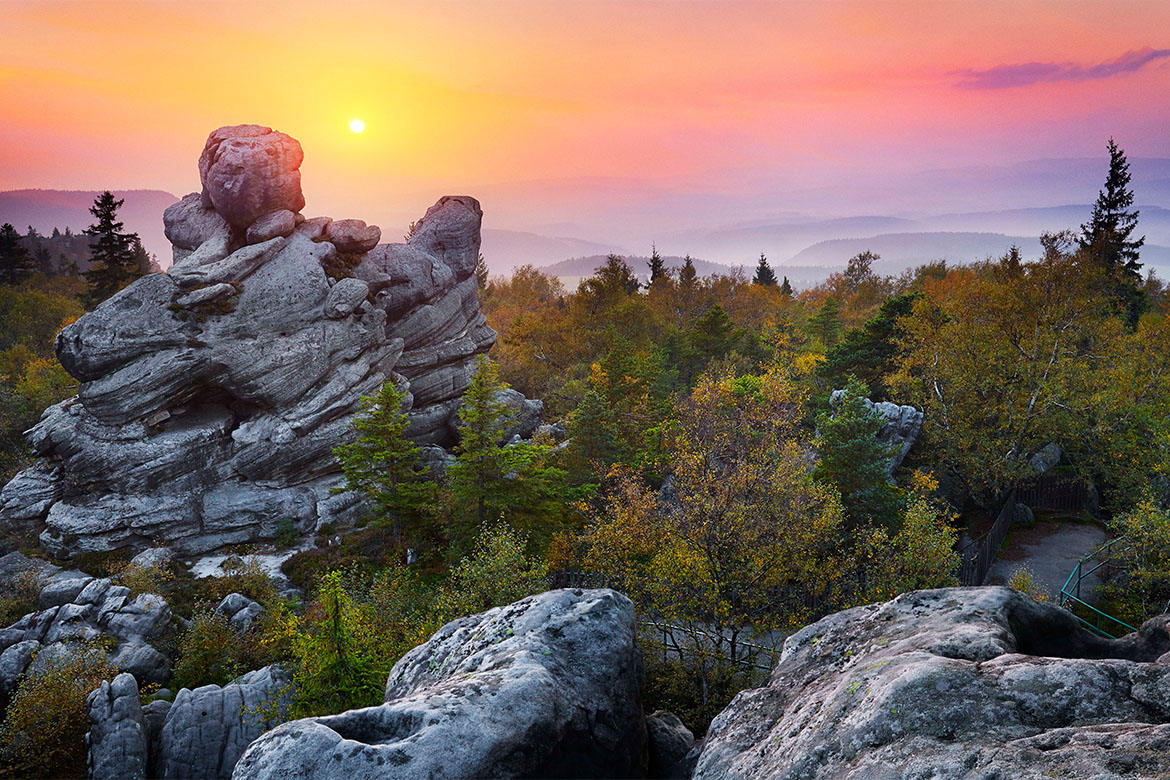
(1106, 237)
(786, 288)
(765, 276)
(688, 277)
(826, 323)
(15, 262)
(114, 261)
(384, 465)
(657, 265)
(480, 461)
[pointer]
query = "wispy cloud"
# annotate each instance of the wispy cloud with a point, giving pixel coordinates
(1023, 74)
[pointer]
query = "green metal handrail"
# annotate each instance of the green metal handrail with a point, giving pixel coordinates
(1071, 593)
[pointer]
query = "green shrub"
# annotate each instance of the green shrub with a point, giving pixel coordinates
(43, 734)
(210, 652)
(287, 533)
(22, 597)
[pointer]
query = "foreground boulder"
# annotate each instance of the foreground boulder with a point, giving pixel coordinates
(117, 737)
(211, 396)
(545, 687)
(948, 684)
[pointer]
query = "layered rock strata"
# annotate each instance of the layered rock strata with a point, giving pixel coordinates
(211, 396)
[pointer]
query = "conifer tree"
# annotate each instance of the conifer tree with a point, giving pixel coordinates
(15, 262)
(786, 288)
(765, 276)
(481, 272)
(826, 323)
(853, 459)
(1107, 234)
(114, 262)
(1107, 238)
(384, 465)
(657, 265)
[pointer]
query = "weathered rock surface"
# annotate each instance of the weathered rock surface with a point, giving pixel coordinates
(947, 684)
(76, 607)
(545, 687)
(239, 610)
(669, 744)
(248, 171)
(117, 736)
(211, 396)
(901, 429)
(207, 729)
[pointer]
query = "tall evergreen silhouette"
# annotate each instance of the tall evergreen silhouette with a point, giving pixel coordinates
(657, 265)
(15, 261)
(1107, 237)
(115, 262)
(765, 276)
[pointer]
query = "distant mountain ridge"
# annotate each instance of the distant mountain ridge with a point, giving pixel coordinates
(47, 209)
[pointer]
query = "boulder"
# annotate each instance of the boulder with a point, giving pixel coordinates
(352, 236)
(248, 171)
(239, 610)
(523, 415)
(345, 297)
(272, 225)
(669, 743)
(211, 396)
(207, 729)
(117, 737)
(545, 687)
(948, 684)
(1046, 458)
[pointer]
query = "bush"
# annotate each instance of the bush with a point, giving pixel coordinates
(210, 652)
(1023, 580)
(142, 579)
(286, 533)
(43, 734)
(22, 598)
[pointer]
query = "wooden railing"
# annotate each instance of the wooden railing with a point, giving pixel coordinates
(977, 557)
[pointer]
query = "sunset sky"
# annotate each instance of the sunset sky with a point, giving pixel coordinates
(510, 97)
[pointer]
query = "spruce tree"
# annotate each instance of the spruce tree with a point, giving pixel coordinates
(853, 459)
(657, 265)
(765, 276)
(786, 287)
(15, 262)
(688, 277)
(1107, 238)
(114, 262)
(481, 272)
(384, 465)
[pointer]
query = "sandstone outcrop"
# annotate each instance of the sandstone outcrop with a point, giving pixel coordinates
(75, 608)
(117, 737)
(199, 736)
(545, 687)
(211, 396)
(948, 684)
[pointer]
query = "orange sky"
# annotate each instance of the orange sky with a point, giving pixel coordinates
(461, 94)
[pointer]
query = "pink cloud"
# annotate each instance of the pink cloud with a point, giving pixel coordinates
(1023, 74)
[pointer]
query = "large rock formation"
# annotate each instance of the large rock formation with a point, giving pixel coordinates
(76, 608)
(948, 684)
(211, 396)
(545, 687)
(200, 736)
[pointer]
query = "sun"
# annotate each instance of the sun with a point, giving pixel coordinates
(357, 125)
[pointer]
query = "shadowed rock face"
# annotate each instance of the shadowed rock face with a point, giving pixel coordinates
(211, 396)
(948, 684)
(545, 687)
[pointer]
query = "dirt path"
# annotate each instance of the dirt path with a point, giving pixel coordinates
(1051, 550)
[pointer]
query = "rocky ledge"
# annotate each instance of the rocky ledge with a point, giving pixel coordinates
(545, 687)
(211, 396)
(948, 684)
